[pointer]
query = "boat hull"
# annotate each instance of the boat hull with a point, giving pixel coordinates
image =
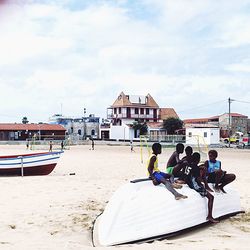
(140, 211)
(29, 164)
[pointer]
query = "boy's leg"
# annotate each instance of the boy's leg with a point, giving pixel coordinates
(228, 178)
(218, 177)
(210, 208)
(203, 174)
(170, 188)
(177, 168)
(171, 179)
(161, 177)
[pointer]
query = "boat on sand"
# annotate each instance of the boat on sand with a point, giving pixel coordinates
(29, 164)
(139, 211)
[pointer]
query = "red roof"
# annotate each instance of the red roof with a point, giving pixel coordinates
(238, 115)
(198, 120)
(166, 113)
(31, 127)
(154, 124)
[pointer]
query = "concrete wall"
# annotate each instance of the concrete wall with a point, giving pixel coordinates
(121, 132)
(202, 136)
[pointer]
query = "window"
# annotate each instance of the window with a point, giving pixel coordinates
(79, 132)
(136, 111)
(92, 132)
(120, 110)
(205, 134)
(147, 111)
(190, 134)
(142, 111)
(115, 111)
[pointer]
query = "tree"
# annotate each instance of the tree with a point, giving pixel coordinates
(172, 124)
(141, 126)
(25, 120)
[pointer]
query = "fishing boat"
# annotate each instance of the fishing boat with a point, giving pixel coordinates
(139, 211)
(29, 164)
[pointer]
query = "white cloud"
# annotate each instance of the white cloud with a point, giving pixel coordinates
(186, 53)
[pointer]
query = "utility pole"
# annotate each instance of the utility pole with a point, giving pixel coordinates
(229, 121)
(84, 127)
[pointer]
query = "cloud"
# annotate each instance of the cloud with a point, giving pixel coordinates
(83, 54)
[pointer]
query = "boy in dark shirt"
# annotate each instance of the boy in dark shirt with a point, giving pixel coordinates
(193, 179)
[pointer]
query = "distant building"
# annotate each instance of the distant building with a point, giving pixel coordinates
(165, 113)
(239, 123)
(128, 109)
(19, 131)
(81, 127)
(203, 134)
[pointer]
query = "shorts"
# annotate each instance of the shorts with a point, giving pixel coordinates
(170, 169)
(160, 175)
(212, 176)
(200, 189)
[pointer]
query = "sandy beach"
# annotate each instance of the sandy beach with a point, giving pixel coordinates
(57, 211)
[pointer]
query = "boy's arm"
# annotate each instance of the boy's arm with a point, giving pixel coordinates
(151, 167)
(204, 174)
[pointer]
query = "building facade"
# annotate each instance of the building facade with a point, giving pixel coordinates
(80, 128)
(238, 123)
(128, 109)
(21, 132)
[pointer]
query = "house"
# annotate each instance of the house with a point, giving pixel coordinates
(42, 131)
(238, 122)
(203, 134)
(166, 113)
(80, 127)
(128, 109)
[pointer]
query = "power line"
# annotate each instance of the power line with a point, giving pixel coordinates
(202, 106)
(241, 101)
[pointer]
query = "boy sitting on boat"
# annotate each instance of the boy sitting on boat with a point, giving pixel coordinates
(175, 164)
(159, 177)
(193, 179)
(214, 173)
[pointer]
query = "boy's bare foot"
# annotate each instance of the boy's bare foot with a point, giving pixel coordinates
(222, 189)
(181, 197)
(217, 189)
(211, 219)
(177, 186)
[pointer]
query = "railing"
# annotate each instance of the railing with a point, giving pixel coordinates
(168, 138)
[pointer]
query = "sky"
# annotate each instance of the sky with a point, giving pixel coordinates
(61, 56)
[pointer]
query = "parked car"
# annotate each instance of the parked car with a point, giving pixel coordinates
(245, 140)
(235, 140)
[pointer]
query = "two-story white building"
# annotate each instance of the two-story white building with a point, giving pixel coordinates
(128, 109)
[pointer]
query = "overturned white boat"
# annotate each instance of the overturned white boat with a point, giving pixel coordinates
(140, 211)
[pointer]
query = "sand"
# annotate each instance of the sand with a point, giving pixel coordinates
(57, 211)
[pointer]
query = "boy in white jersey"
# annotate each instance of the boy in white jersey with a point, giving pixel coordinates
(159, 177)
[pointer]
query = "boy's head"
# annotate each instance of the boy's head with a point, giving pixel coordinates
(156, 147)
(212, 154)
(180, 148)
(196, 157)
(188, 150)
